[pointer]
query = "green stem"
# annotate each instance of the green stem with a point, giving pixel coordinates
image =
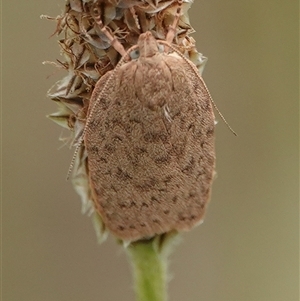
(149, 270)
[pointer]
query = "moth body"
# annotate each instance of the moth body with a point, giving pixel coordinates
(150, 145)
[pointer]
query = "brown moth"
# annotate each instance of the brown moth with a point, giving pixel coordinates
(149, 138)
(150, 144)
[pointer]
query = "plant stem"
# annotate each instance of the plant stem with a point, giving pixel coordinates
(149, 266)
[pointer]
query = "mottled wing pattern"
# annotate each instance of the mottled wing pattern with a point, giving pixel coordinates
(150, 145)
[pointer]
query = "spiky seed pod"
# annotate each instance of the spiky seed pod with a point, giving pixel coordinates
(88, 55)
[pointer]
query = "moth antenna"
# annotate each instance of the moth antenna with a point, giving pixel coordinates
(90, 114)
(220, 114)
(202, 81)
(79, 143)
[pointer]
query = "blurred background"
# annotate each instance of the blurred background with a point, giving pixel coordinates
(247, 248)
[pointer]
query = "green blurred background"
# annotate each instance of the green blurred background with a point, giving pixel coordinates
(247, 248)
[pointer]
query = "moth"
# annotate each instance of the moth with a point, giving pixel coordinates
(149, 138)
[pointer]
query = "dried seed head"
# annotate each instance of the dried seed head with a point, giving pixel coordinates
(88, 56)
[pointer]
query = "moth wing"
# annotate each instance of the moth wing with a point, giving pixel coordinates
(150, 175)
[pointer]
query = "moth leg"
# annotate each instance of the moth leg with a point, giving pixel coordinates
(113, 40)
(172, 28)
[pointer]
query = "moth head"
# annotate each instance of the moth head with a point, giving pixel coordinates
(135, 53)
(147, 44)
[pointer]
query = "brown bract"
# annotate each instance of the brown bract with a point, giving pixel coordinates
(150, 145)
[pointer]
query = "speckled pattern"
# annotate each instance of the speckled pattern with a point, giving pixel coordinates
(150, 145)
